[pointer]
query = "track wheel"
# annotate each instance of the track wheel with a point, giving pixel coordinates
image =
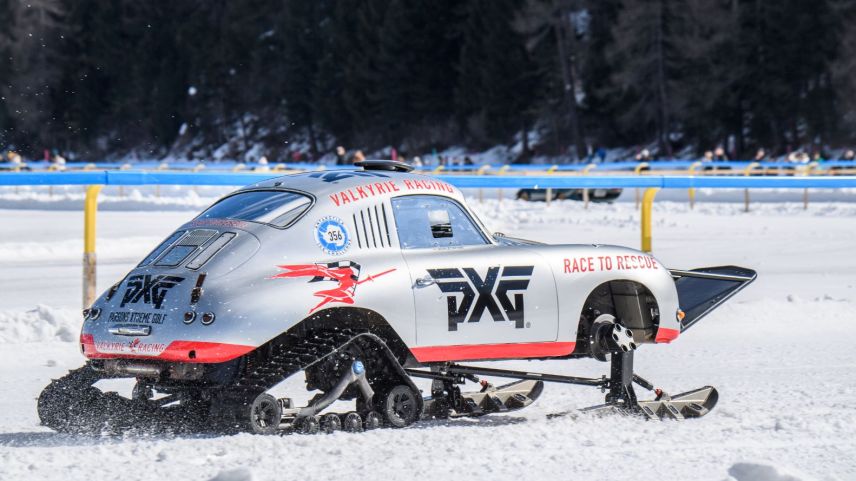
(310, 425)
(331, 423)
(398, 406)
(352, 422)
(373, 420)
(265, 414)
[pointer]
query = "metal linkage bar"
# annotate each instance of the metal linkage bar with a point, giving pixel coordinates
(535, 376)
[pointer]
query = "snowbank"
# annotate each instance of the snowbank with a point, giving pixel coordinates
(71, 249)
(41, 324)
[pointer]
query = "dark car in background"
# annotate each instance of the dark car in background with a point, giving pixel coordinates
(595, 195)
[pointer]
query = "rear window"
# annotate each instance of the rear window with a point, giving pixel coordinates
(272, 207)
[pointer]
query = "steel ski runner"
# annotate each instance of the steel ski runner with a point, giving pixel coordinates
(363, 280)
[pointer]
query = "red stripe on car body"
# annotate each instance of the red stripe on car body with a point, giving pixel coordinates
(492, 351)
(203, 352)
(666, 335)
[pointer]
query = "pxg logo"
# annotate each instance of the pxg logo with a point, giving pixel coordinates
(479, 295)
(150, 289)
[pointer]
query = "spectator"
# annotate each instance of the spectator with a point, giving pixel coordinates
(643, 156)
(798, 156)
(760, 155)
(262, 165)
(719, 154)
(340, 155)
(708, 156)
(14, 158)
(849, 155)
(58, 162)
(359, 156)
(417, 162)
(393, 153)
(468, 160)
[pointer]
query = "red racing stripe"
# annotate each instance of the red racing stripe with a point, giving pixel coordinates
(180, 351)
(492, 351)
(666, 335)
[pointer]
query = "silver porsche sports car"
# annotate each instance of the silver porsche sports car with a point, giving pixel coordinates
(363, 280)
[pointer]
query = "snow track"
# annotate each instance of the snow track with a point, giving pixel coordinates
(781, 354)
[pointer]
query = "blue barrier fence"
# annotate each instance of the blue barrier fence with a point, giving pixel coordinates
(128, 177)
(736, 165)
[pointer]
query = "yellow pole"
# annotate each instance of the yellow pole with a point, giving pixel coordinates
(551, 170)
(811, 166)
(748, 171)
(481, 171)
(162, 166)
(502, 170)
(196, 168)
(586, 191)
(122, 187)
(691, 190)
(638, 171)
(90, 210)
(647, 203)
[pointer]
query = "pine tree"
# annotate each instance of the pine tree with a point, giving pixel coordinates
(7, 40)
(496, 74)
(648, 60)
(303, 47)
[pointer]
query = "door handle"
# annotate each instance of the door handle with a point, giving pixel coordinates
(425, 281)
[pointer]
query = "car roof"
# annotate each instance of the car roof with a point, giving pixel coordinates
(347, 185)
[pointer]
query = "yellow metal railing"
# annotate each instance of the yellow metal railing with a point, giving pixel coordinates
(647, 204)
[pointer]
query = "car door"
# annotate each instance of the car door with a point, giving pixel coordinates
(466, 289)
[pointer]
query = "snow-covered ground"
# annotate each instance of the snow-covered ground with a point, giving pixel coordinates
(780, 353)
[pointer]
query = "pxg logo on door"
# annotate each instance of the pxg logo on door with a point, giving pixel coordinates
(478, 293)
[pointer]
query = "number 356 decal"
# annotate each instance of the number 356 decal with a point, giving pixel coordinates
(332, 236)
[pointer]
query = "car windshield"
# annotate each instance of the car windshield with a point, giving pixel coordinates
(274, 207)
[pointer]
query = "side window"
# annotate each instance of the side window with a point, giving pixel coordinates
(430, 221)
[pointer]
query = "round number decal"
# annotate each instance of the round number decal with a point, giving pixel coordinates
(332, 236)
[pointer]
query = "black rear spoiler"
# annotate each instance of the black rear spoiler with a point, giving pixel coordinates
(703, 290)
